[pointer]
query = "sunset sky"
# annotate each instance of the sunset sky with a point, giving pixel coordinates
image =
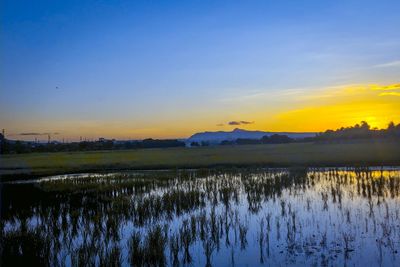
(163, 69)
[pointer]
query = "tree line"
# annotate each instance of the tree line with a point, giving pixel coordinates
(361, 131)
(19, 147)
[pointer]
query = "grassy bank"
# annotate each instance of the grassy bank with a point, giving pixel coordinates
(299, 154)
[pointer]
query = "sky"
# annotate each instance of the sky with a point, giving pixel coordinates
(168, 69)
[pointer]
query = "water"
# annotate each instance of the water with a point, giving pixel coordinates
(256, 217)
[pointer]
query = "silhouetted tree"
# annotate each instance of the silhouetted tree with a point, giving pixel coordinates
(277, 139)
(360, 131)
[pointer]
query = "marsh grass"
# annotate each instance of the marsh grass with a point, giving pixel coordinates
(281, 155)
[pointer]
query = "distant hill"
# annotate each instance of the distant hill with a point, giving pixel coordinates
(217, 137)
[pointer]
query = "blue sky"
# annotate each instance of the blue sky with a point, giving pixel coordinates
(169, 68)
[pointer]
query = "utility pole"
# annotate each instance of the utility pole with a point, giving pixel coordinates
(48, 139)
(2, 143)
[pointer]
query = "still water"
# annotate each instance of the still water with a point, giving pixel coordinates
(252, 217)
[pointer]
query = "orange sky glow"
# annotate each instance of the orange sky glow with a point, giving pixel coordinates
(285, 110)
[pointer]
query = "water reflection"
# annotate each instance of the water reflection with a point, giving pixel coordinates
(205, 218)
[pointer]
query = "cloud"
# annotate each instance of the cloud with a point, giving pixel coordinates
(351, 91)
(389, 90)
(266, 93)
(390, 94)
(37, 134)
(240, 122)
(395, 63)
(395, 86)
(220, 124)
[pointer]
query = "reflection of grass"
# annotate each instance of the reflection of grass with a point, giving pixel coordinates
(24, 248)
(150, 250)
(88, 221)
(304, 154)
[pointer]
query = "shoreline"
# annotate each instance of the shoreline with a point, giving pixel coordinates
(122, 172)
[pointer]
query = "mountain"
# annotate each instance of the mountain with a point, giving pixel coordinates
(217, 137)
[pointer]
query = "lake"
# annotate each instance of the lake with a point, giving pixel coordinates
(240, 217)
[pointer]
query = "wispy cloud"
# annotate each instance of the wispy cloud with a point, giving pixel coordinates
(395, 63)
(389, 87)
(313, 95)
(390, 94)
(240, 122)
(356, 91)
(389, 90)
(266, 94)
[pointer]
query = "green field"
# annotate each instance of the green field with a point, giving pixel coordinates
(299, 154)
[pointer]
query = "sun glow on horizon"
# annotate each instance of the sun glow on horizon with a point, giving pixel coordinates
(344, 106)
(309, 110)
